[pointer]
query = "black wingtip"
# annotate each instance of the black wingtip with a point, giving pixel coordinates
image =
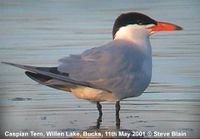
(3, 62)
(37, 77)
(9, 63)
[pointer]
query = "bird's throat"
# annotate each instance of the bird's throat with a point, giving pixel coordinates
(137, 34)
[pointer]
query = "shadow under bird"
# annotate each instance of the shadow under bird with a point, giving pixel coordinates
(119, 69)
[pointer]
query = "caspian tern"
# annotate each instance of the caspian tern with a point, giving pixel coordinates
(117, 70)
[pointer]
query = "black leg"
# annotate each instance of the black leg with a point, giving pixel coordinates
(99, 120)
(117, 106)
(99, 107)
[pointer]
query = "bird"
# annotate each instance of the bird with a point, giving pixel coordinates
(119, 69)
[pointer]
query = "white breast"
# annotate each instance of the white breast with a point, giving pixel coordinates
(139, 36)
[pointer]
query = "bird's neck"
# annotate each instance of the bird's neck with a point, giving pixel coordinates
(134, 33)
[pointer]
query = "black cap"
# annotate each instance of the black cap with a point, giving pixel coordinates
(131, 18)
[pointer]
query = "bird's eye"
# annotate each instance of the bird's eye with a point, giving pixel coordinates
(139, 22)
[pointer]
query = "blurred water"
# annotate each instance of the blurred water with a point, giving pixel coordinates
(40, 32)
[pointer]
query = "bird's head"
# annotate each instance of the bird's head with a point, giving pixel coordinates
(142, 21)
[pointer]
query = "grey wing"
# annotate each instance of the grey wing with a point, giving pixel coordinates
(111, 66)
(42, 74)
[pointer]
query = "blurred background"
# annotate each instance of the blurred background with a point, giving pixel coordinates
(41, 32)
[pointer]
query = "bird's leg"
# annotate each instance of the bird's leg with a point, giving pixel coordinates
(99, 120)
(117, 106)
(99, 107)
